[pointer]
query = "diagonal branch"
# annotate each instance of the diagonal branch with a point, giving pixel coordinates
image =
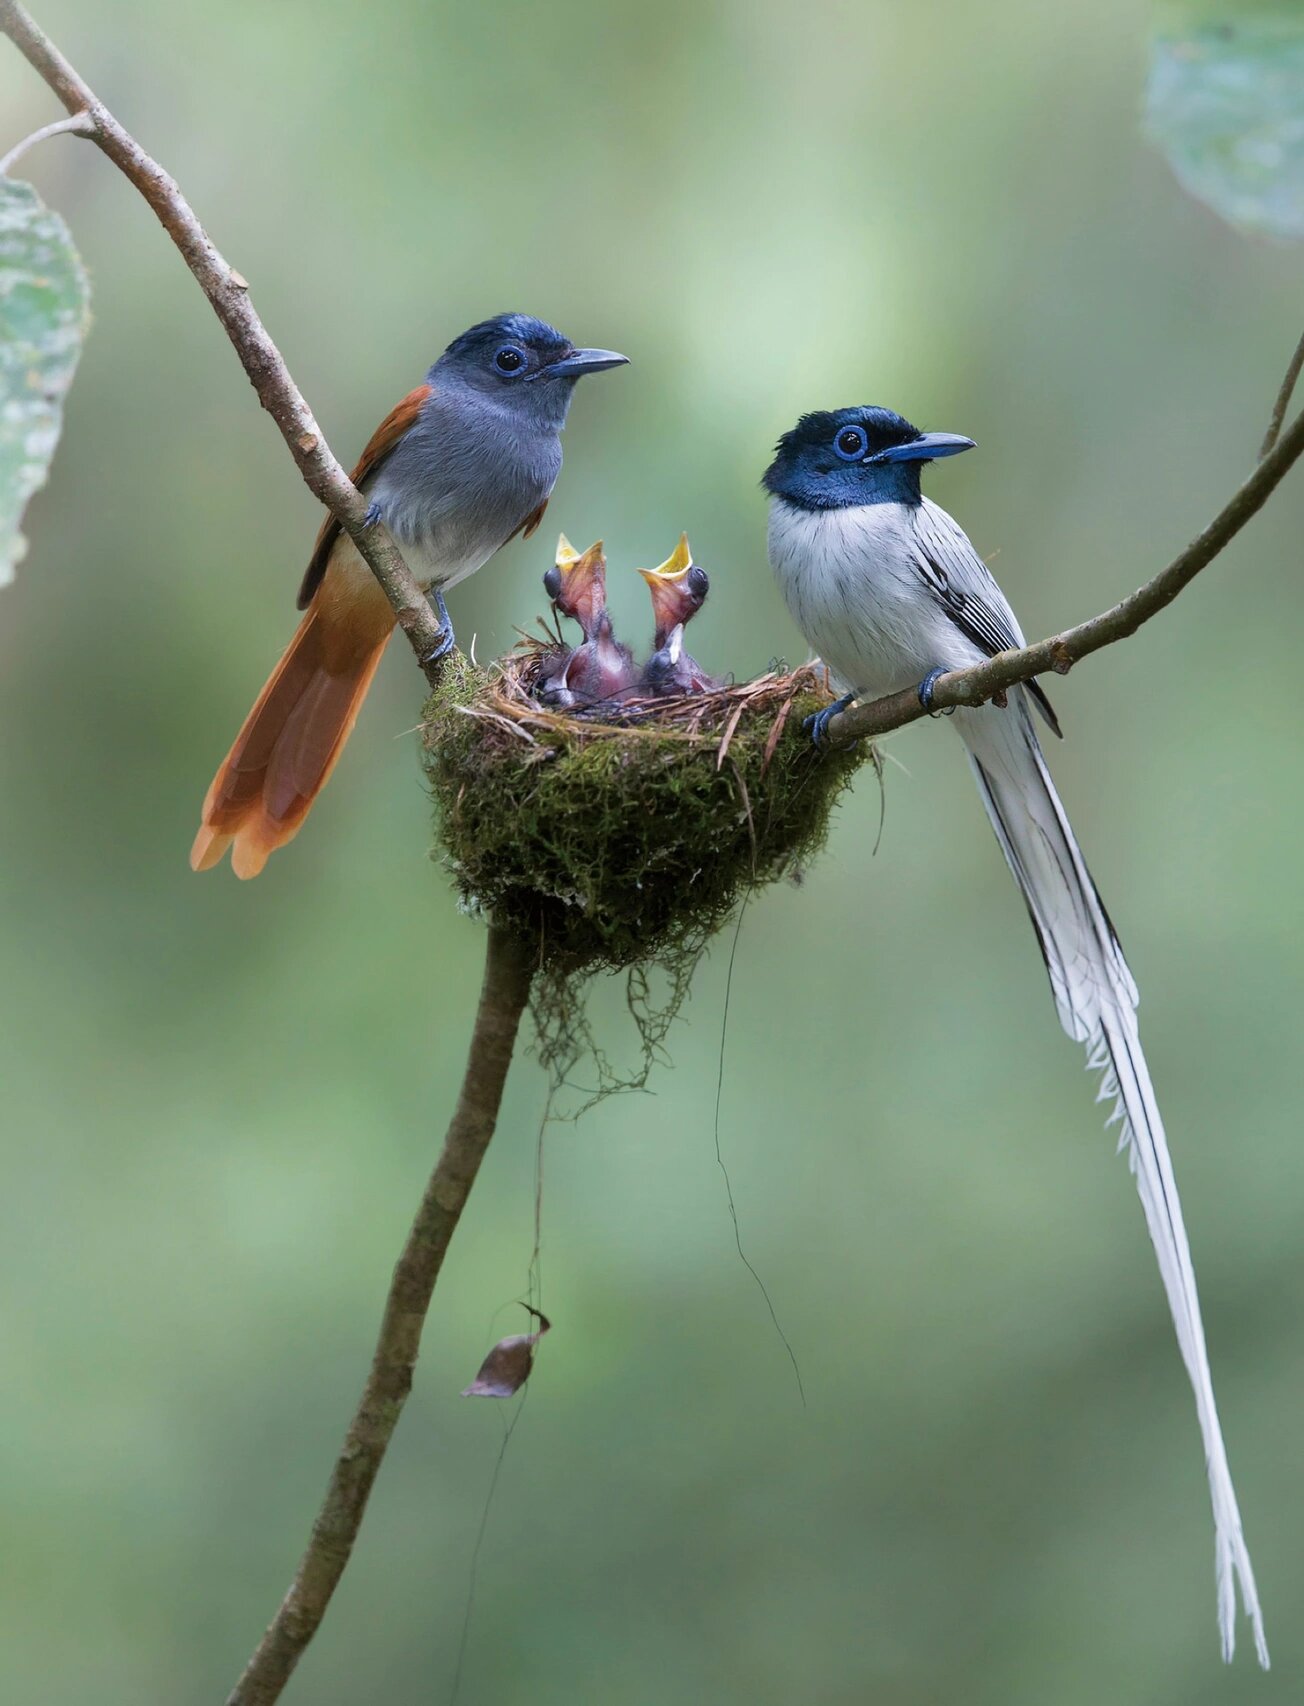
(229, 294)
(508, 962)
(1060, 652)
(1282, 403)
(507, 975)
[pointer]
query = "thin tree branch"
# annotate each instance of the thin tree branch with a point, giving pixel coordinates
(80, 124)
(507, 975)
(1283, 400)
(508, 965)
(229, 294)
(1060, 652)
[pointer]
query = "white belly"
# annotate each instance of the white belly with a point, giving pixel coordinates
(436, 566)
(848, 579)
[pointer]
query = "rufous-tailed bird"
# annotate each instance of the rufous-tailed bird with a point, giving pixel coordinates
(600, 668)
(890, 592)
(678, 587)
(463, 464)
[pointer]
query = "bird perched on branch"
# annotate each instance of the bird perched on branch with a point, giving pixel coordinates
(600, 668)
(463, 464)
(678, 587)
(888, 589)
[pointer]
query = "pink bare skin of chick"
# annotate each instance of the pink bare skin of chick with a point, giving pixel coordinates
(600, 668)
(678, 589)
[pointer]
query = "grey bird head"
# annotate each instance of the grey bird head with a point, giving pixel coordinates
(844, 458)
(522, 363)
(484, 450)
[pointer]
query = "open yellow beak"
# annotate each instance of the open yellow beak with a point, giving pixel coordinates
(665, 583)
(569, 559)
(567, 555)
(675, 567)
(577, 584)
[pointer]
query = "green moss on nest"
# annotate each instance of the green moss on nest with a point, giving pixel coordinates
(613, 845)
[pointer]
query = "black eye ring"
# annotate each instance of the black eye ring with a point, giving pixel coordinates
(509, 359)
(851, 443)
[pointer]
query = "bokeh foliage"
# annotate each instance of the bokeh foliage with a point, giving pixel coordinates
(44, 311)
(219, 1101)
(1226, 103)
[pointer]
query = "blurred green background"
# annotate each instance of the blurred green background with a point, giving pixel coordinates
(220, 1101)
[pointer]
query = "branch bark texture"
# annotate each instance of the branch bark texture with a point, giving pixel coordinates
(229, 294)
(507, 976)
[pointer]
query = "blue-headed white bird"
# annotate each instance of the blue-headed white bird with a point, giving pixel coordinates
(890, 592)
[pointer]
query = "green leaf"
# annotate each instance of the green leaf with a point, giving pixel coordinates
(44, 313)
(1225, 102)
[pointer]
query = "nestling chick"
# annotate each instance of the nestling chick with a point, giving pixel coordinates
(678, 588)
(600, 668)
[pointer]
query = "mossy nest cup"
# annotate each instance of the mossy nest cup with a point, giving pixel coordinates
(610, 843)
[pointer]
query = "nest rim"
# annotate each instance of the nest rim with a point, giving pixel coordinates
(736, 793)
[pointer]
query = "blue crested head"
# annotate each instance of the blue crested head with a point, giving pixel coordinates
(844, 458)
(510, 350)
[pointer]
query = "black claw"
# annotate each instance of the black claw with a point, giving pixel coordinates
(818, 721)
(925, 690)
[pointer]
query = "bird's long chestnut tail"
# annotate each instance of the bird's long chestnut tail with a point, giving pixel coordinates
(291, 740)
(1097, 999)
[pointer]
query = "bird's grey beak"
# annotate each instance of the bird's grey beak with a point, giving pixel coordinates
(582, 361)
(927, 448)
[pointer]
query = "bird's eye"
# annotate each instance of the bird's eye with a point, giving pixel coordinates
(509, 359)
(851, 443)
(552, 583)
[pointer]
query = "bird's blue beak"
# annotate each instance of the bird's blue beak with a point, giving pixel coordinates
(927, 448)
(582, 361)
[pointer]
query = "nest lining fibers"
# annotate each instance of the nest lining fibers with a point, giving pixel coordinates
(628, 841)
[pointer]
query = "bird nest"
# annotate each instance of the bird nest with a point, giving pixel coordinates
(624, 834)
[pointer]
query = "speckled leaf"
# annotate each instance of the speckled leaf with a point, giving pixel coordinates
(44, 313)
(1225, 102)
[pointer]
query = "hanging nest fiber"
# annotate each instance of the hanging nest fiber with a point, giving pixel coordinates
(615, 838)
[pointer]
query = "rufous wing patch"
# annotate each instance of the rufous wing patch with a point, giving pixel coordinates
(531, 522)
(396, 424)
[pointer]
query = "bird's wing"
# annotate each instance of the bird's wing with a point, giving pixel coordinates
(964, 586)
(396, 424)
(531, 522)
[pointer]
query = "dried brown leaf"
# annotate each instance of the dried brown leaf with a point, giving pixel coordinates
(729, 730)
(507, 1367)
(775, 735)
